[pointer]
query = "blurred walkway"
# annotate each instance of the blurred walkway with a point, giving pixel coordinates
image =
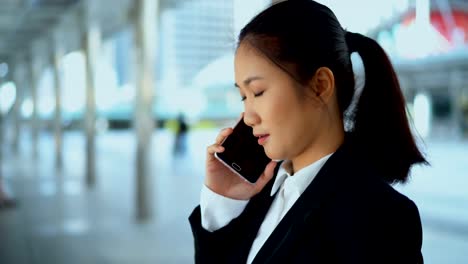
(59, 220)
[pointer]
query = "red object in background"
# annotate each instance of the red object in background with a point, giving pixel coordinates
(460, 20)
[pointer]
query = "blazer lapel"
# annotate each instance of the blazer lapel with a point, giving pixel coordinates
(306, 208)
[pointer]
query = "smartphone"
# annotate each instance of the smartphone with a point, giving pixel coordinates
(242, 154)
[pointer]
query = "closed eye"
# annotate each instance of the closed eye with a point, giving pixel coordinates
(256, 95)
(259, 94)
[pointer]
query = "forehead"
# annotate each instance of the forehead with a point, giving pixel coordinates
(249, 62)
(246, 51)
(249, 59)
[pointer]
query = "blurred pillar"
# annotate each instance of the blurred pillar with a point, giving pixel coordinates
(17, 119)
(56, 58)
(423, 13)
(1, 153)
(2, 193)
(91, 43)
(34, 75)
(145, 21)
(455, 85)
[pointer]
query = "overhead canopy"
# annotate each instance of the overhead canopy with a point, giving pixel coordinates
(22, 21)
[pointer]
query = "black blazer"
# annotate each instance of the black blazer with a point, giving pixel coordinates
(346, 215)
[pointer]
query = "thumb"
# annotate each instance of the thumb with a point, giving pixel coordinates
(266, 176)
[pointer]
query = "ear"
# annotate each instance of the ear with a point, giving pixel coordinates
(322, 85)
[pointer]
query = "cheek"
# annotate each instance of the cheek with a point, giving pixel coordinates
(290, 133)
(282, 142)
(278, 110)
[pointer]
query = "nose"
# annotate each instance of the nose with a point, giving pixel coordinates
(251, 118)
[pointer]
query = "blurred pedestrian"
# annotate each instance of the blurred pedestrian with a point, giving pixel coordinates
(329, 200)
(5, 200)
(181, 135)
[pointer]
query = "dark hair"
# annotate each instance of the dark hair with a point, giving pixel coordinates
(300, 37)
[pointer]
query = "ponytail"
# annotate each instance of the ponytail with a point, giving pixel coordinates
(381, 130)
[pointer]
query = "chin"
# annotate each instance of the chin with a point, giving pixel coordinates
(273, 155)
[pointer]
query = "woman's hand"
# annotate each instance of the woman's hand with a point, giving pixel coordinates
(223, 181)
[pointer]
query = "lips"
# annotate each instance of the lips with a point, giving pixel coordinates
(262, 138)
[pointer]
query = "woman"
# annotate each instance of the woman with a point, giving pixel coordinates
(329, 201)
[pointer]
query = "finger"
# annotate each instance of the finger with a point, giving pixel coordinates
(214, 148)
(266, 176)
(223, 134)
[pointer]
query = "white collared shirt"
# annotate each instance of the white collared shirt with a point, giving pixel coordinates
(217, 210)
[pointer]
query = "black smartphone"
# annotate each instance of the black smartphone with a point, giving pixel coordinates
(242, 153)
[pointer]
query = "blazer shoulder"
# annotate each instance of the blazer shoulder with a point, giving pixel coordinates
(364, 197)
(365, 217)
(361, 196)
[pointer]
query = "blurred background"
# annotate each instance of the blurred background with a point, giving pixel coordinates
(106, 108)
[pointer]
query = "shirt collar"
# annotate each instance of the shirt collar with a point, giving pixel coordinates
(301, 179)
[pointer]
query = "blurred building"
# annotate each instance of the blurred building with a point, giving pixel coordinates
(428, 43)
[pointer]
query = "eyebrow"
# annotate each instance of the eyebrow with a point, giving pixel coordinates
(249, 80)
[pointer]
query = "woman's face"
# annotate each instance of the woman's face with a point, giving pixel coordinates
(274, 105)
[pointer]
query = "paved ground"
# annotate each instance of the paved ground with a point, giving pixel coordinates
(60, 220)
